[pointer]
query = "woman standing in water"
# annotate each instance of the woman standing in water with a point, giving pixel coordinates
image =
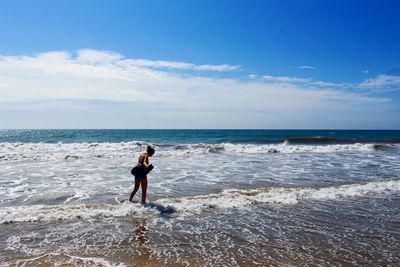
(140, 171)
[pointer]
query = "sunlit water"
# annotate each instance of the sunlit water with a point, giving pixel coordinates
(229, 202)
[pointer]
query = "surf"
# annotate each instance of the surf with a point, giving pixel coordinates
(225, 200)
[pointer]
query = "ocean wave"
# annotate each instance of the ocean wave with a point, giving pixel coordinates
(322, 140)
(68, 212)
(272, 148)
(232, 198)
(82, 151)
(225, 200)
(384, 147)
(68, 151)
(336, 140)
(287, 148)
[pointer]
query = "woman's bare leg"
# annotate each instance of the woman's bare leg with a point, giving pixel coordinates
(143, 182)
(137, 183)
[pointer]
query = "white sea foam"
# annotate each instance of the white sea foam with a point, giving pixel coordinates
(227, 199)
(68, 151)
(79, 151)
(267, 148)
(60, 259)
(232, 198)
(287, 148)
(68, 212)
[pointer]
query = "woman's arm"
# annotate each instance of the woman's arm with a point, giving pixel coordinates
(146, 161)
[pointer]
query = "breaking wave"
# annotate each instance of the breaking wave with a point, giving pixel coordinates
(225, 200)
(82, 151)
(274, 148)
(333, 140)
(68, 212)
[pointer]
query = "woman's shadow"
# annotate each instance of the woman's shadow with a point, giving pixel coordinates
(163, 210)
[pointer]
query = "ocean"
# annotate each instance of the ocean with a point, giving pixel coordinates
(216, 198)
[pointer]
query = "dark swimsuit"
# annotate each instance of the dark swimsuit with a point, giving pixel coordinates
(142, 172)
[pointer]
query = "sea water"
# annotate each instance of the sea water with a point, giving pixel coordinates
(218, 197)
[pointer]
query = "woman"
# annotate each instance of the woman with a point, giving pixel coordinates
(142, 169)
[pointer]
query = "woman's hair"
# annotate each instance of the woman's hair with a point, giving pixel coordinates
(150, 150)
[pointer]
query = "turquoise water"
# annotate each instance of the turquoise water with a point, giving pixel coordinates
(201, 136)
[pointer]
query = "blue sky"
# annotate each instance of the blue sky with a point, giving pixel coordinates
(200, 64)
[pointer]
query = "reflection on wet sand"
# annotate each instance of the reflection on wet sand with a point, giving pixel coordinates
(140, 231)
(140, 242)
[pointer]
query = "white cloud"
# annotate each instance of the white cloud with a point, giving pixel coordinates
(306, 67)
(95, 56)
(382, 82)
(179, 65)
(93, 75)
(284, 79)
(91, 56)
(302, 82)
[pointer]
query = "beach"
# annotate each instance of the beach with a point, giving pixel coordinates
(217, 198)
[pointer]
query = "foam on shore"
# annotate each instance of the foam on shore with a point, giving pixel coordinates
(227, 199)
(59, 259)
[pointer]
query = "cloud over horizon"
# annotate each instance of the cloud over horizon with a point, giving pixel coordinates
(93, 75)
(382, 82)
